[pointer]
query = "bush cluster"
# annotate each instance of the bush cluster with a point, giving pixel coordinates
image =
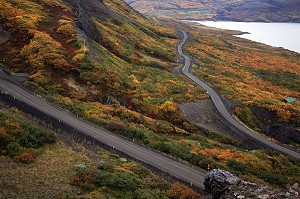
(19, 138)
(90, 178)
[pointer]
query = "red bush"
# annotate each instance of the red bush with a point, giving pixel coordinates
(25, 158)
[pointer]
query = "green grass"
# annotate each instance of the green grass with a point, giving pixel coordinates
(280, 78)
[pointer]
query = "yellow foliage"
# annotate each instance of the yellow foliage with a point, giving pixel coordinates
(168, 106)
(66, 29)
(83, 49)
(171, 82)
(44, 50)
(63, 21)
(78, 57)
(21, 14)
(41, 77)
(134, 79)
(126, 167)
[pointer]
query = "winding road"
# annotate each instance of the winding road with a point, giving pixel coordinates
(220, 107)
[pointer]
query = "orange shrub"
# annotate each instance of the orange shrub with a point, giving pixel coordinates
(25, 158)
(179, 191)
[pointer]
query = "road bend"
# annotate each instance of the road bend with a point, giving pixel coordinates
(220, 107)
(174, 168)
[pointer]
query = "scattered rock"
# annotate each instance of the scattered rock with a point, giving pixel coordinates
(221, 184)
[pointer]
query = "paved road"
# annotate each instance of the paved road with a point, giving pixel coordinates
(223, 111)
(165, 164)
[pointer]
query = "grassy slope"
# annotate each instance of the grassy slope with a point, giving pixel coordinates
(53, 173)
(124, 83)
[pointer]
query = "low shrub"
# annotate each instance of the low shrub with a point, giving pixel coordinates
(101, 165)
(179, 191)
(67, 30)
(25, 158)
(124, 181)
(13, 149)
(235, 166)
(99, 178)
(275, 179)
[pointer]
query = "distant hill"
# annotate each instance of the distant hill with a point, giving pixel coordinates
(236, 10)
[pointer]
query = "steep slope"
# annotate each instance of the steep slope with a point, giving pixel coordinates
(241, 10)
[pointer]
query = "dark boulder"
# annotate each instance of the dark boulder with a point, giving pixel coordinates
(284, 134)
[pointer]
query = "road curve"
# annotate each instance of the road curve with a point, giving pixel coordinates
(176, 169)
(220, 107)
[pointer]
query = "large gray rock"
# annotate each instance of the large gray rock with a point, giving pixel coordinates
(221, 184)
(217, 182)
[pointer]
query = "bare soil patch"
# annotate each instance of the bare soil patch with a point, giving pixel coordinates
(202, 114)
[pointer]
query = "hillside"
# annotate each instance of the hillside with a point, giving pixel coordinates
(241, 10)
(62, 165)
(107, 64)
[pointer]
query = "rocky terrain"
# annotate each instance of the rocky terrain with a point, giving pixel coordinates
(241, 10)
(220, 184)
(284, 134)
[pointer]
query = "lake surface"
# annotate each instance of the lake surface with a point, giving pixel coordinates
(285, 35)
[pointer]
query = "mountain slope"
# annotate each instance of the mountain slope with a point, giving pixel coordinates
(241, 10)
(108, 64)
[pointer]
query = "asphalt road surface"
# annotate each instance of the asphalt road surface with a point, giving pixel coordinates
(220, 107)
(176, 169)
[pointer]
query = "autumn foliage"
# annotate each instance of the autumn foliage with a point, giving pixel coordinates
(241, 72)
(179, 191)
(66, 29)
(21, 14)
(44, 50)
(19, 138)
(25, 158)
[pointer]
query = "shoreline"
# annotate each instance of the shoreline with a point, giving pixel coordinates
(277, 35)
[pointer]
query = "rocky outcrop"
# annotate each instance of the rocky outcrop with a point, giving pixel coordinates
(221, 184)
(284, 134)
